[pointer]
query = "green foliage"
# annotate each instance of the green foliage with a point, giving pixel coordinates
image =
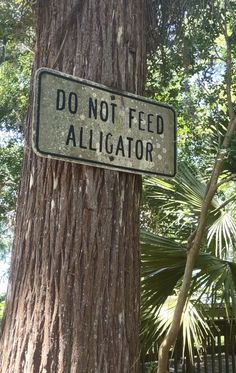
(16, 41)
(5, 242)
(2, 305)
(164, 252)
(10, 165)
(150, 367)
(230, 163)
(188, 71)
(14, 91)
(16, 20)
(163, 263)
(174, 207)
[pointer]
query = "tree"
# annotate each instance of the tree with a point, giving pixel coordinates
(164, 253)
(226, 27)
(199, 63)
(63, 53)
(16, 43)
(73, 298)
(10, 163)
(16, 40)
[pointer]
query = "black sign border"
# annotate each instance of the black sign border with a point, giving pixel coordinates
(38, 79)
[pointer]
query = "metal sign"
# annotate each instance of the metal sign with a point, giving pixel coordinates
(81, 121)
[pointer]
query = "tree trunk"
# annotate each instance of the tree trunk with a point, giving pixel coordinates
(73, 296)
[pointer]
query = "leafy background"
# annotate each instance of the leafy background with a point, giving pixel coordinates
(186, 68)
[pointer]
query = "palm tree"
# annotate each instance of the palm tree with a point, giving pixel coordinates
(173, 209)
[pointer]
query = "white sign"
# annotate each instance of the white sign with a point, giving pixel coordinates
(81, 121)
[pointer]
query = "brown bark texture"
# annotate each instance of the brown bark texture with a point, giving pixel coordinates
(73, 296)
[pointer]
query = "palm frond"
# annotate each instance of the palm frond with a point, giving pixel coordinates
(160, 271)
(176, 203)
(194, 326)
(187, 188)
(163, 263)
(222, 233)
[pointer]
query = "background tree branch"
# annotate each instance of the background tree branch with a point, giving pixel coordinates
(193, 252)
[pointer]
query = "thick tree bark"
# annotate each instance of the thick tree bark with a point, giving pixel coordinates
(73, 297)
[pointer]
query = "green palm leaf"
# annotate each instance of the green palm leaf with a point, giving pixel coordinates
(177, 203)
(222, 233)
(163, 263)
(185, 189)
